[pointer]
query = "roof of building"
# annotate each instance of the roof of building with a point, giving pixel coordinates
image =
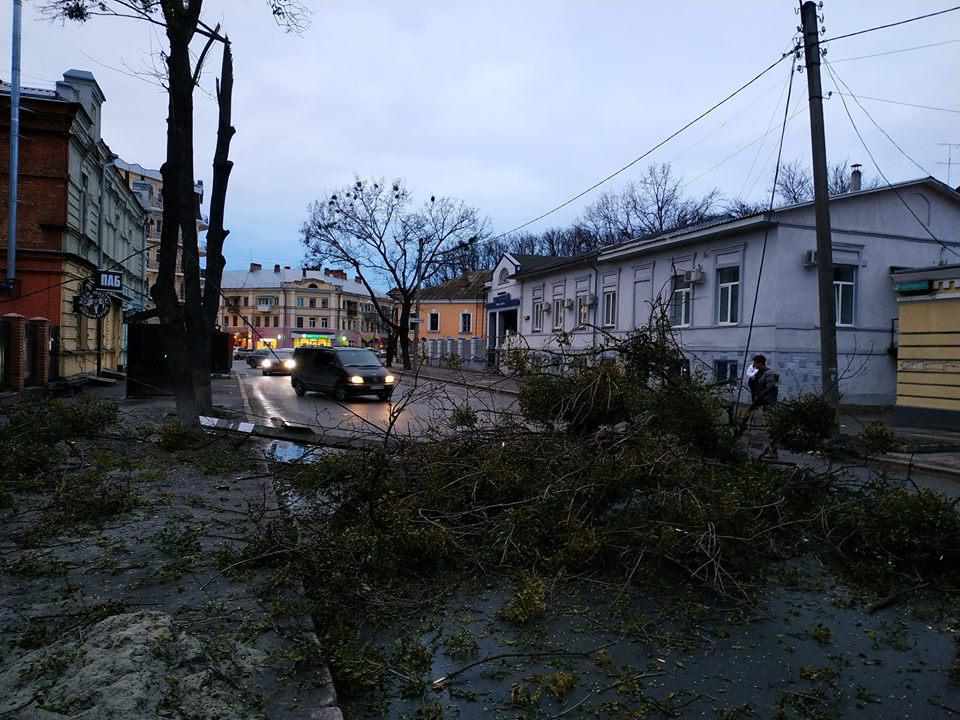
(267, 278)
(32, 92)
(535, 264)
(761, 219)
(930, 271)
(469, 286)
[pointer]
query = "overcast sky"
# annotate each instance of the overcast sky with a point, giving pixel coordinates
(510, 106)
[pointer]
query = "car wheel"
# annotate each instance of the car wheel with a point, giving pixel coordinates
(385, 395)
(298, 388)
(340, 393)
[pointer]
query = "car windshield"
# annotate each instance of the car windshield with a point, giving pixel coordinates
(281, 353)
(358, 358)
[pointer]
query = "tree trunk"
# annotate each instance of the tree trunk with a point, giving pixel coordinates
(185, 337)
(391, 346)
(404, 333)
(216, 233)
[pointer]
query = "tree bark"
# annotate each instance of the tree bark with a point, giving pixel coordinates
(177, 174)
(216, 233)
(405, 333)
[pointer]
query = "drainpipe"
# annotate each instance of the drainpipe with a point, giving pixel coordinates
(14, 144)
(596, 296)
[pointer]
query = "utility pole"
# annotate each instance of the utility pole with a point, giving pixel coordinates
(14, 147)
(949, 162)
(821, 199)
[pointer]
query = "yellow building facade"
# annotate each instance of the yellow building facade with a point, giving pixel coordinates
(928, 346)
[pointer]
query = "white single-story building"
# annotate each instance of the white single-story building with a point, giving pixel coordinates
(708, 276)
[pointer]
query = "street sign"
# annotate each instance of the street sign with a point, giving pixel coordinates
(503, 300)
(109, 280)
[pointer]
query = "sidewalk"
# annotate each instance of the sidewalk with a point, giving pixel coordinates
(478, 380)
(157, 609)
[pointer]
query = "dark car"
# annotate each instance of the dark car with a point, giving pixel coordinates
(254, 358)
(278, 362)
(342, 372)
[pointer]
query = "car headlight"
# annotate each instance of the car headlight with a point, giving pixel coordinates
(356, 380)
(289, 364)
(389, 379)
(266, 363)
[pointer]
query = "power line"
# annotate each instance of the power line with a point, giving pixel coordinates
(647, 153)
(891, 25)
(906, 104)
(894, 52)
(873, 159)
(835, 76)
(766, 234)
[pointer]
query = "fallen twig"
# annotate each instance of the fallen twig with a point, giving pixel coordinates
(442, 681)
(894, 597)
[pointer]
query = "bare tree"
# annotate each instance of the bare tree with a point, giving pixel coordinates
(369, 227)
(795, 182)
(653, 205)
(189, 324)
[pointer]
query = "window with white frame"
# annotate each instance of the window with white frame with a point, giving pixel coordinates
(504, 277)
(466, 322)
(538, 316)
(313, 322)
(300, 302)
(558, 308)
(609, 308)
(728, 295)
(324, 322)
(434, 322)
(265, 300)
(583, 309)
(681, 302)
(844, 294)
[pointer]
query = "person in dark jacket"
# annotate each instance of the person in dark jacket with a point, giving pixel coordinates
(763, 395)
(762, 383)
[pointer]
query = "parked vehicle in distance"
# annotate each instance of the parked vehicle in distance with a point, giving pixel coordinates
(255, 357)
(341, 372)
(278, 362)
(240, 353)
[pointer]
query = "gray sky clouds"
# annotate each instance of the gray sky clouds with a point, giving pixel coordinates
(510, 106)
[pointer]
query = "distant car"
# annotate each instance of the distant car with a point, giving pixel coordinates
(255, 357)
(278, 362)
(341, 372)
(240, 353)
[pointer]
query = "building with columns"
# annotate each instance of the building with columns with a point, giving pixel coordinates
(292, 307)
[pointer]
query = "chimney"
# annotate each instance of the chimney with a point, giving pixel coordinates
(304, 271)
(286, 267)
(255, 267)
(327, 272)
(357, 280)
(276, 268)
(856, 178)
(341, 274)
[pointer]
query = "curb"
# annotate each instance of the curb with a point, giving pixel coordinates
(461, 383)
(923, 467)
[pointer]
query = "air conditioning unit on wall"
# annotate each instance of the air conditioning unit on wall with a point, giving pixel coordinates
(693, 276)
(810, 258)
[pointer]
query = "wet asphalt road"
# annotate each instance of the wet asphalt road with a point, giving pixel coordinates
(421, 407)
